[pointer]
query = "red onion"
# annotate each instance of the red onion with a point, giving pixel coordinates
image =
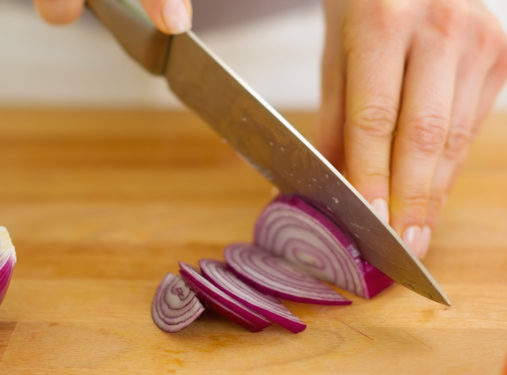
(174, 306)
(274, 275)
(7, 261)
(269, 306)
(221, 302)
(296, 243)
(292, 228)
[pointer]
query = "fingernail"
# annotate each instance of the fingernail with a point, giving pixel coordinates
(381, 208)
(176, 16)
(412, 237)
(425, 240)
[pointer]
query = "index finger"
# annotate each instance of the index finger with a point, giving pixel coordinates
(375, 68)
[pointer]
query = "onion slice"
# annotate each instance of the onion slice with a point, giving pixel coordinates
(7, 261)
(269, 306)
(221, 302)
(174, 306)
(298, 231)
(274, 275)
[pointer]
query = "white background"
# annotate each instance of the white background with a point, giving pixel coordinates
(81, 65)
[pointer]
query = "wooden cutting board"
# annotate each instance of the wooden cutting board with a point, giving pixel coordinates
(101, 204)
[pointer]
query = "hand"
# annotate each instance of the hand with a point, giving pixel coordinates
(405, 87)
(170, 16)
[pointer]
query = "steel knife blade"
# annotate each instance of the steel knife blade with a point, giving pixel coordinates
(264, 138)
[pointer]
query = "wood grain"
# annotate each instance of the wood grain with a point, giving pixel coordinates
(100, 204)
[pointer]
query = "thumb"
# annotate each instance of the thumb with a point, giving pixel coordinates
(170, 16)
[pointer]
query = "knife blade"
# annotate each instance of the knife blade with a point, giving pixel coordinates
(263, 138)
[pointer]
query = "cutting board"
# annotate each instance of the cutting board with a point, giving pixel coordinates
(101, 204)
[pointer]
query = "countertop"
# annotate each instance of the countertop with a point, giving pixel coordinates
(101, 204)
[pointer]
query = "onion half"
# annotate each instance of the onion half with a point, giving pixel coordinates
(267, 305)
(294, 229)
(273, 275)
(7, 261)
(221, 302)
(174, 306)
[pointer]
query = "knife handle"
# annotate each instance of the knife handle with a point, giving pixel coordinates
(134, 31)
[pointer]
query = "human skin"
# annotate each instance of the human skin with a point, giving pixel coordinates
(170, 16)
(406, 85)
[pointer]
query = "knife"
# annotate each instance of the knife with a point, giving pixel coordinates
(261, 136)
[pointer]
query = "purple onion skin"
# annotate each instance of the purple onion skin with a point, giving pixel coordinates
(7, 261)
(376, 281)
(220, 302)
(373, 280)
(5, 277)
(264, 304)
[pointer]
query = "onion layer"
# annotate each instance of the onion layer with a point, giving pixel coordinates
(292, 228)
(7, 261)
(221, 302)
(264, 304)
(174, 306)
(276, 276)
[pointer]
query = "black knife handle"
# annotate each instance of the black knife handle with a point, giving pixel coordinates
(135, 32)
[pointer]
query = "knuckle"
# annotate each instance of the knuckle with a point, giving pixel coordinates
(437, 199)
(483, 36)
(449, 18)
(375, 120)
(382, 19)
(367, 178)
(435, 203)
(488, 33)
(386, 15)
(428, 133)
(474, 131)
(432, 216)
(371, 174)
(415, 200)
(458, 139)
